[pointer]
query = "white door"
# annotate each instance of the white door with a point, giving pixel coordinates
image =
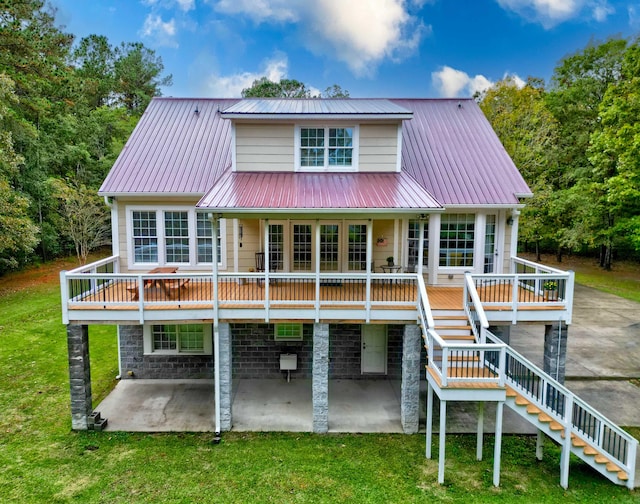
(374, 349)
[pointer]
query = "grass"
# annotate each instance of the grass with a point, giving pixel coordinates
(44, 461)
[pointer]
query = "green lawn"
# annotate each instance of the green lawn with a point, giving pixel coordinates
(43, 461)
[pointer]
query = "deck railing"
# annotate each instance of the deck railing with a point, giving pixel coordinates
(100, 286)
(529, 286)
(574, 414)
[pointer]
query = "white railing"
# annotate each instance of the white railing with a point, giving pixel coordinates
(574, 414)
(529, 286)
(474, 310)
(100, 286)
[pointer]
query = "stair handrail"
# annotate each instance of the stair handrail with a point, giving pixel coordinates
(424, 307)
(470, 291)
(566, 417)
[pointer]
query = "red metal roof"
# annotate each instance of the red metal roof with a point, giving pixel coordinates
(174, 149)
(450, 148)
(258, 191)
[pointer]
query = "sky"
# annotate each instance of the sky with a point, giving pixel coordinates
(371, 48)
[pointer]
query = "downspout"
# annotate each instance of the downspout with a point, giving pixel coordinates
(216, 334)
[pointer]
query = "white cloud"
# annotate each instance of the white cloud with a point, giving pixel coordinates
(452, 83)
(161, 32)
(550, 13)
(360, 34)
(634, 17)
(184, 5)
(231, 86)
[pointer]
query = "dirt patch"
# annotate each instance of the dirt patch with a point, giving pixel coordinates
(46, 273)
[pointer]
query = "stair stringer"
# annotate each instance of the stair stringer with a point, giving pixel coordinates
(558, 435)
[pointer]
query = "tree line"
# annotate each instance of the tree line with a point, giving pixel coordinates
(67, 107)
(577, 144)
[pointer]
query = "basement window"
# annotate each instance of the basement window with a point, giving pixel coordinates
(288, 332)
(173, 339)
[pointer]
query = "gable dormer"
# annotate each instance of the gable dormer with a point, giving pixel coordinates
(316, 135)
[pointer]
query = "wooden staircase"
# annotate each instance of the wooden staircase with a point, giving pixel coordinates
(453, 326)
(556, 431)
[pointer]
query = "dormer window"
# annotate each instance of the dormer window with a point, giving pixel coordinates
(327, 148)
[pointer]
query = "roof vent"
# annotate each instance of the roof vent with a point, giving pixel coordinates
(459, 105)
(196, 110)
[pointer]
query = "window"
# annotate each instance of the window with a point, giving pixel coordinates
(288, 332)
(324, 147)
(145, 237)
(178, 339)
(173, 236)
(414, 244)
(276, 246)
(176, 232)
(457, 238)
(329, 247)
(357, 248)
(302, 245)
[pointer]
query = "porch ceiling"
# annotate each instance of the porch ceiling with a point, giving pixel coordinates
(326, 193)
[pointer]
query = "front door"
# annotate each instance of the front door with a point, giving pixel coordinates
(374, 349)
(490, 250)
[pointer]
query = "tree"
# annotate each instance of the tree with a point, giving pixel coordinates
(93, 59)
(615, 155)
(579, 85)
(289, 88)
(84, 218)
(18, 234)
(138, 76)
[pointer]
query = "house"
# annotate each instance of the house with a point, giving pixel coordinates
(329, 239)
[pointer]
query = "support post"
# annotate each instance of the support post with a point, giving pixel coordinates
(320, 378)
(79, 375)
(555, 350)
(225, 376)
(480, 434)
(441, 446)
(497, 449)
(410, 388)
(429, 429)
(539, 444)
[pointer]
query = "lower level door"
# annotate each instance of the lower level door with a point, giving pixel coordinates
(374, 349)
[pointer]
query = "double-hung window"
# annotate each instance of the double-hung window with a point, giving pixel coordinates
(322, 148)
(414, 244)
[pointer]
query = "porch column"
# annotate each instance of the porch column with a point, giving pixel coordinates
(320, 378)
(225, 375)
(555, 350)
(79, 375)
(410, 388)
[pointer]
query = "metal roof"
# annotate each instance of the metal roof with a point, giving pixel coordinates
(449, 151)
(450, 148)
(179, 146)
(286, 108)
(252, 191)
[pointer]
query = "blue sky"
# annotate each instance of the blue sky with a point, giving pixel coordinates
(372, 48)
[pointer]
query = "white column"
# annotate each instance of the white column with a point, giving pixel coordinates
(441, 447)
(479, 440)
(497, 449)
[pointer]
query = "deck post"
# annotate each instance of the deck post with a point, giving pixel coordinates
(79, 376)
(539, 444)
(497, 449)
(555, 350)
(441, 445)
(320, 378)
(225, 377)
(429, 426)
(480, 440)
(410, 387)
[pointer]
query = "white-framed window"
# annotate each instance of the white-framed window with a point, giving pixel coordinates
(172, 235)
(327, 148)
(288, 331)
(457, 240)
(357, 247)
(174, 339)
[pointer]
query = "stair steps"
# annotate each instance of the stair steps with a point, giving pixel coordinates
(581, 448)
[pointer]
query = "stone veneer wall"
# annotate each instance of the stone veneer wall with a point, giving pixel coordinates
(257, 355)
(158, 366)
